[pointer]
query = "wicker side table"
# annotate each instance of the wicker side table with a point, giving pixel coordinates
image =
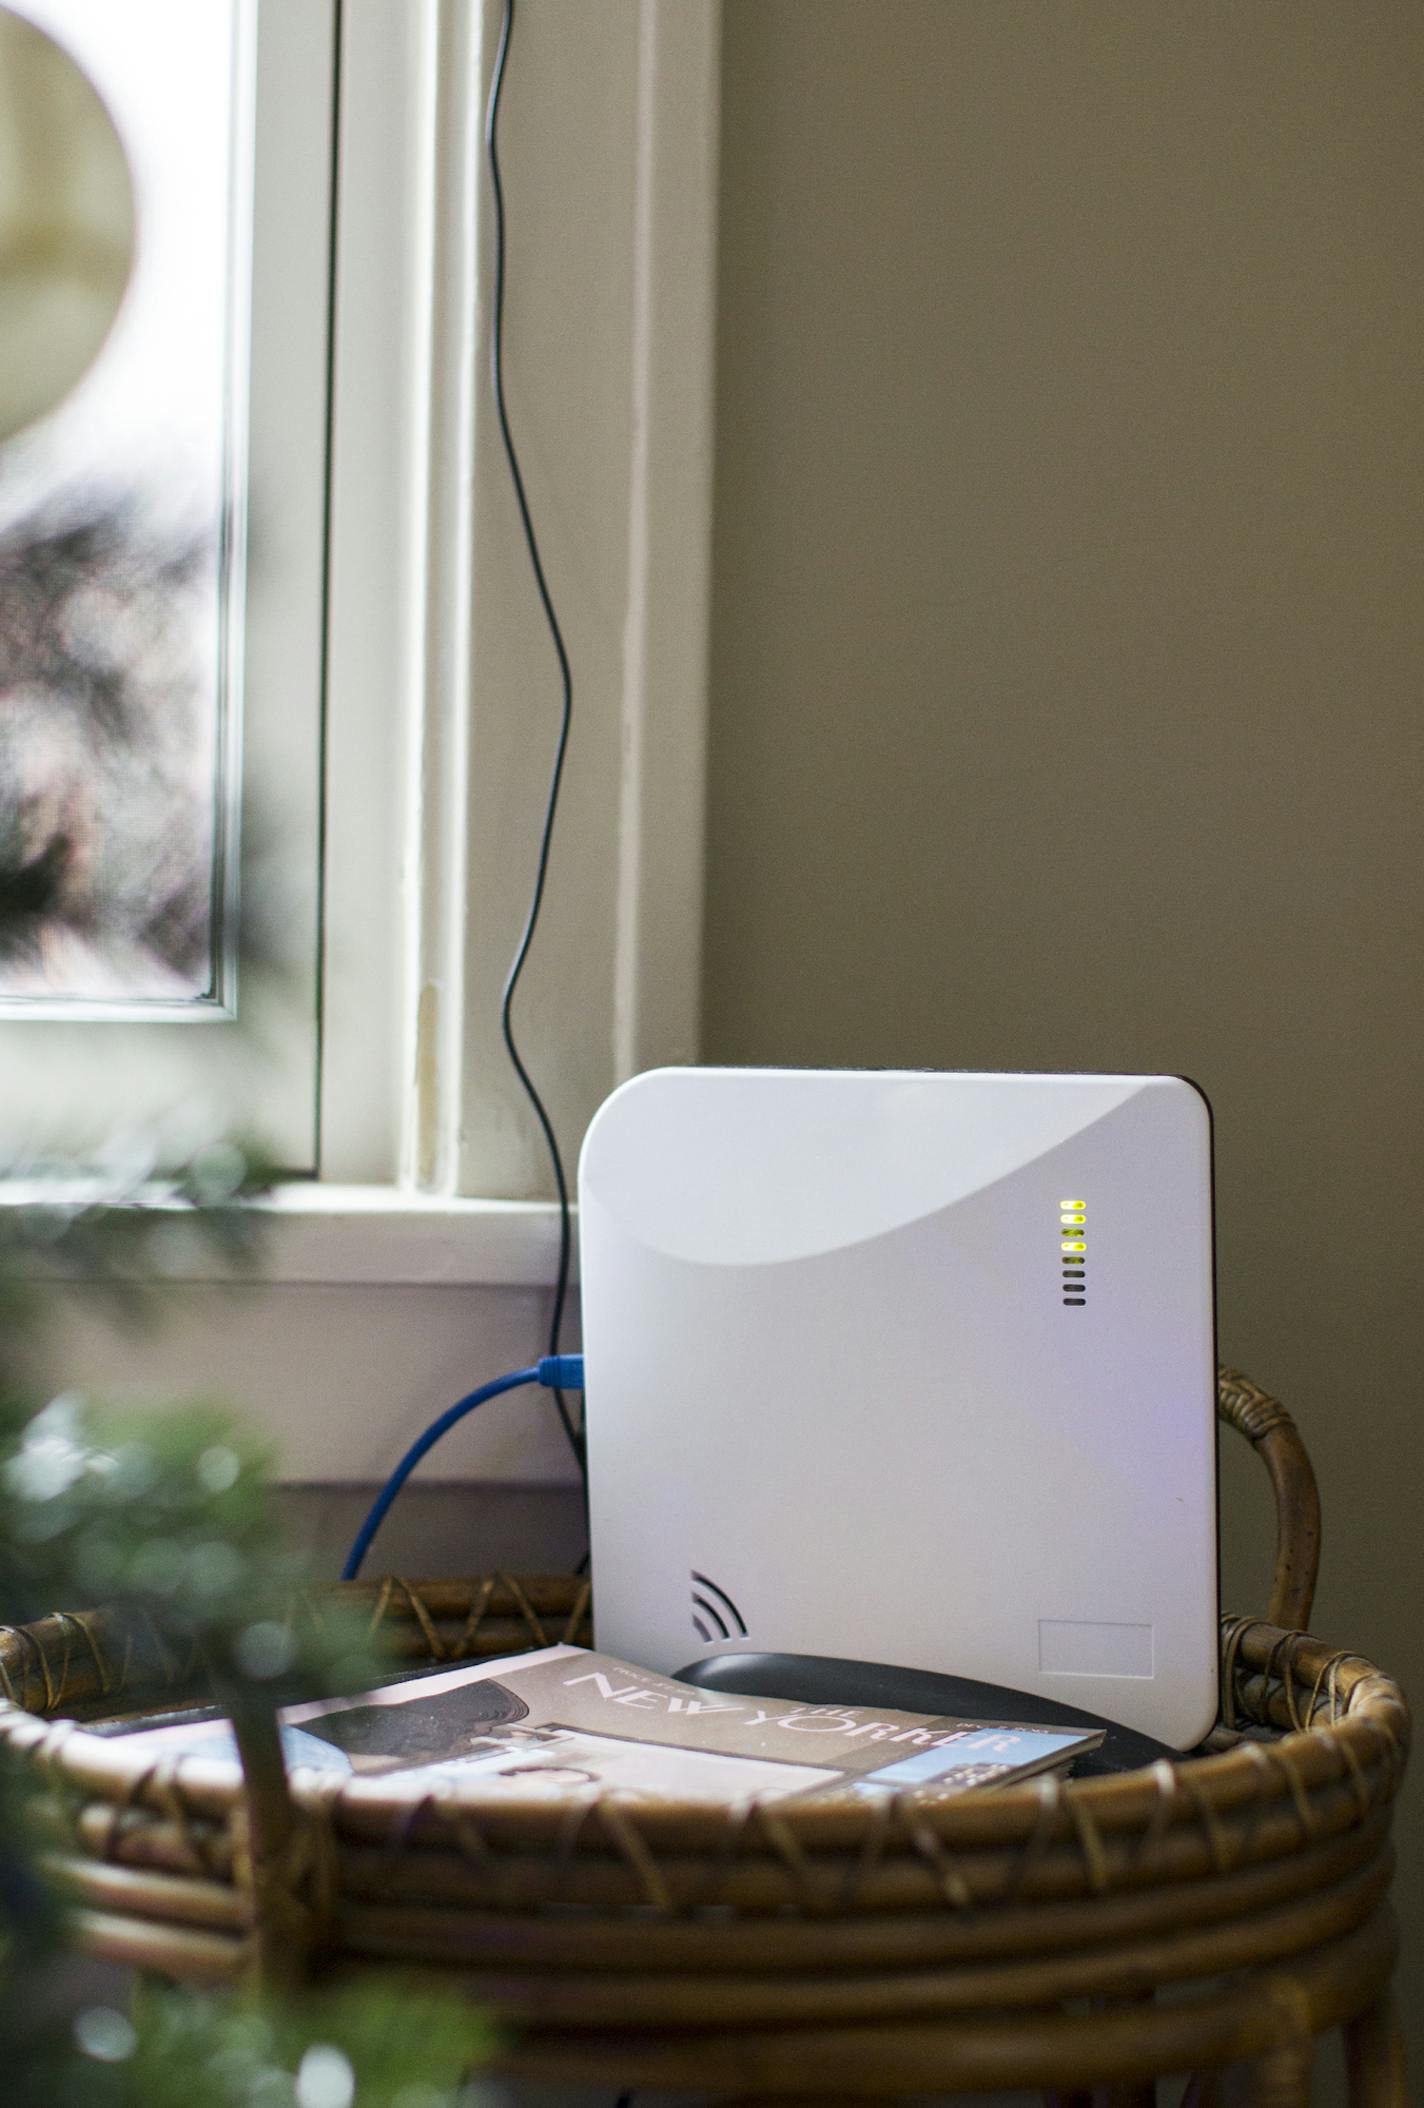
(1057, 1935)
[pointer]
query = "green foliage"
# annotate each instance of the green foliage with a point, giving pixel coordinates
(166, 1512)
(148, 1508)
(163, 1510)
(383, 2045)
(31, 1942)
(124, 1223)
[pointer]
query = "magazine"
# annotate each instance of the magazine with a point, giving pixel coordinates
(566, 1723)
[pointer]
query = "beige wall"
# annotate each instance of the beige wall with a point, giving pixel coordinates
(1067, 630)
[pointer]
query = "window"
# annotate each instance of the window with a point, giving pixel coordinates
(117, 585)
(161, 609)
(370, 622)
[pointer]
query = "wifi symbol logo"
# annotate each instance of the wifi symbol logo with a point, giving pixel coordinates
(714, 1614)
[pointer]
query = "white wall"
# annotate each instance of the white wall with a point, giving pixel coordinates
(1068, 631)
(341, 1378)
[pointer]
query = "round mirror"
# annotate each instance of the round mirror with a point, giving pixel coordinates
(66, 223)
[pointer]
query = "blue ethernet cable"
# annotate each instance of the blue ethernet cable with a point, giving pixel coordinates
(556, 1372)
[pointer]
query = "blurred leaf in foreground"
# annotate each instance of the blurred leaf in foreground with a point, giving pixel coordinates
(384, 2044)
(168, 1513)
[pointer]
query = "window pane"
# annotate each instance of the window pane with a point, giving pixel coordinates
(116, 795)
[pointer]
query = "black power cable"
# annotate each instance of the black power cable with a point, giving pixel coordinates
(531, 541)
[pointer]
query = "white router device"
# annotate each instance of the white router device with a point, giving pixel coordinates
(909, 1368)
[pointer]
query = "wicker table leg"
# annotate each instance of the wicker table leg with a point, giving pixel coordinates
(1374, 2057)
(1128, 2093)
(1281, 2079)
(1138, 2093)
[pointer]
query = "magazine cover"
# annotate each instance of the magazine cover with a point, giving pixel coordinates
(566, 1722)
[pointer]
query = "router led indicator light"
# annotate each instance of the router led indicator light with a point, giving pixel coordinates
(1073, 1246)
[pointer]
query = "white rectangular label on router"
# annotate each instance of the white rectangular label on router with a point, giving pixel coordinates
(1081, 1647)
(880, 1363)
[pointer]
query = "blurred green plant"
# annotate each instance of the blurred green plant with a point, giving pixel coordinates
(333, 2050)
(124, 1223)
(166, 1513)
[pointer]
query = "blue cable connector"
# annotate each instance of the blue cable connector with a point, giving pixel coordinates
(556, 1372)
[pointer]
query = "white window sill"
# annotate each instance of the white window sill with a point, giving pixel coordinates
(382, 1235)
(378, 1236)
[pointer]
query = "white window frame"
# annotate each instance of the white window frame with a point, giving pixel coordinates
(440, 689)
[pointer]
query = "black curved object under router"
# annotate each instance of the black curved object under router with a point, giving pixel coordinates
(824, 1679)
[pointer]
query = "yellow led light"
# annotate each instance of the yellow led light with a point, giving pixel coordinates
(1074, 1244)
(1072, 1218)
(1072, 1204)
